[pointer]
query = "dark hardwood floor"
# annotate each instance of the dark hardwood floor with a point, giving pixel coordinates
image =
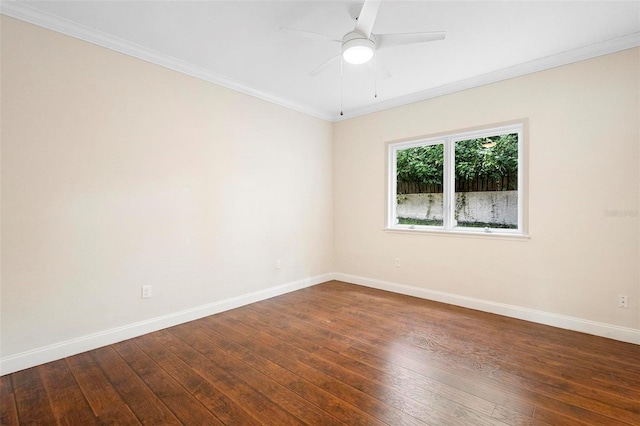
(338, 354)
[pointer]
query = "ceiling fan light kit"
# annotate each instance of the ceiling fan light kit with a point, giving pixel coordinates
(358, 51)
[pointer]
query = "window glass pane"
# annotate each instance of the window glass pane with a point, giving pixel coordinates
(486, 182)
(419, 188)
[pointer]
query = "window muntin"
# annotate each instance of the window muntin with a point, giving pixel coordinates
(462, 182)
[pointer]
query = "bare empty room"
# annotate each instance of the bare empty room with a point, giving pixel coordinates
(320, 212)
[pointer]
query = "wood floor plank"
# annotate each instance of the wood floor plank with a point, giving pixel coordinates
(103, 398)
(399, 307)
(212, 397)
(257, 404)
(566, 415)
(32, 400)
(456, 355)
(423, 407)
(506, 400)
(408, 383)
(501, 341)
(487, 387)
(497, 395)
(336, 407)
(462, 385)
(200, 340)
(577, 370)
(339, 354)
(514, 418)
(184, 406)
(618, 407)
(146, 405)
(8, 409)
(66, 399)
(352, 395)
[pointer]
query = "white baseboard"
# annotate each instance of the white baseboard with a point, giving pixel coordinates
(67, 348)
(610, 331)
(71, 347)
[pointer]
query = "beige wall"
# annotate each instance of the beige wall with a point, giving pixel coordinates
(117, 173)
(583, 161)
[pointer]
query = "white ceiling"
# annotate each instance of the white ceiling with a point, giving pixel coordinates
(239, 44)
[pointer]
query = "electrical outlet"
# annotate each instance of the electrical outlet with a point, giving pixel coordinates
(278, 264)
(623, 301)
(397, 262)
(146, 292)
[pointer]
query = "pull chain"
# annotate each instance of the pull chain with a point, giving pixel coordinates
(375, 76)
(341, 83)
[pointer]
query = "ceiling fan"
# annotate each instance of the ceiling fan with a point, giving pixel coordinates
(360, 45)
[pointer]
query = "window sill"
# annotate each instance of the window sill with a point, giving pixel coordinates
(463, 234)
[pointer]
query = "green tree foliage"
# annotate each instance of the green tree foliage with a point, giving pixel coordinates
(423, 164)
(486, 158)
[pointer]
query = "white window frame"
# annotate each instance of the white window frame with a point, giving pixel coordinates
(449, 225)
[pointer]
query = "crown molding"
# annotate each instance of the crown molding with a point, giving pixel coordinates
(26, 13)
(592, 51)
(31, 15)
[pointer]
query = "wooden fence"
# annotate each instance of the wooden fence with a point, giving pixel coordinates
(506, 183)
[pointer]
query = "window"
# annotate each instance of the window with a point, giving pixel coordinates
(462, 182)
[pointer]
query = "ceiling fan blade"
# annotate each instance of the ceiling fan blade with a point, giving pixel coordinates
(324, 65)
(390, 40)
(309, 34)
(367, 17)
